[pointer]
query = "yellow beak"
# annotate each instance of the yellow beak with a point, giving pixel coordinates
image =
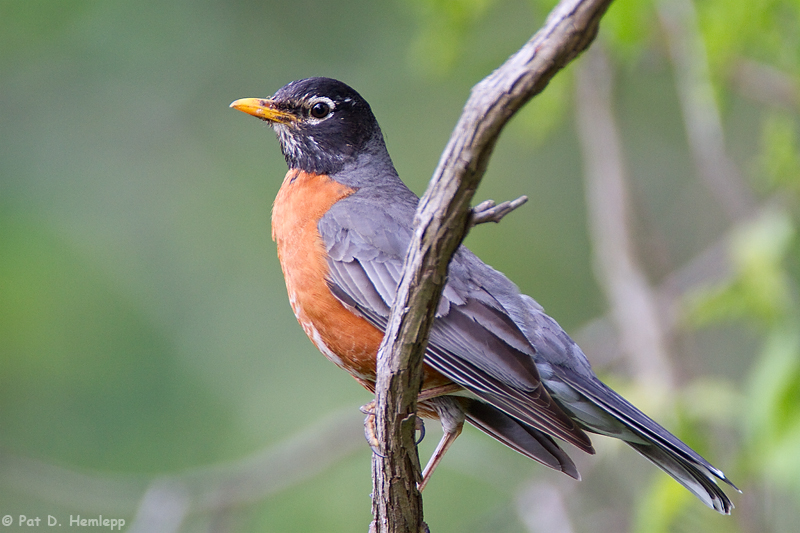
(264, 109)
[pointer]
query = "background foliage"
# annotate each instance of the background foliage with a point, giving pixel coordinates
(145, 335)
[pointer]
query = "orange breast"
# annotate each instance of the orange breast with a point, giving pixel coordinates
(343, 337)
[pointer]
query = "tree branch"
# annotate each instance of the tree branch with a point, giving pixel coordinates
(440, 225)
(488, 211)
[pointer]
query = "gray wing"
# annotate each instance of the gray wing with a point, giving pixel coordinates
(475, 340)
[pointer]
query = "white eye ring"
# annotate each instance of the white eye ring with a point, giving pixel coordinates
(320, 109)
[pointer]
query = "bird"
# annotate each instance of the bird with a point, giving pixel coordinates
(342, 222)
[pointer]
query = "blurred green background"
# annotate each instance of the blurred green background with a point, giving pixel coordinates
(151, 368)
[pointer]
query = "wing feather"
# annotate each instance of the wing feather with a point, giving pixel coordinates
(473, 341)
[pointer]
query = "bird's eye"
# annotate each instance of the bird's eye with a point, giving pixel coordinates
(320, 110)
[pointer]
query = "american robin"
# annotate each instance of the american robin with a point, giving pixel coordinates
(342, 222)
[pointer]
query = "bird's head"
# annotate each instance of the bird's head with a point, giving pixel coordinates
(323, 125)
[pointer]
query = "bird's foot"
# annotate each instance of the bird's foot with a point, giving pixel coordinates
(371, 430)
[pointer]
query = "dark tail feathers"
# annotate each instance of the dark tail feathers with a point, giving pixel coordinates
(528, 441)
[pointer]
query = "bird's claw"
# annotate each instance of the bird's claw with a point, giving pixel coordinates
(371, 430)
(420, 426)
